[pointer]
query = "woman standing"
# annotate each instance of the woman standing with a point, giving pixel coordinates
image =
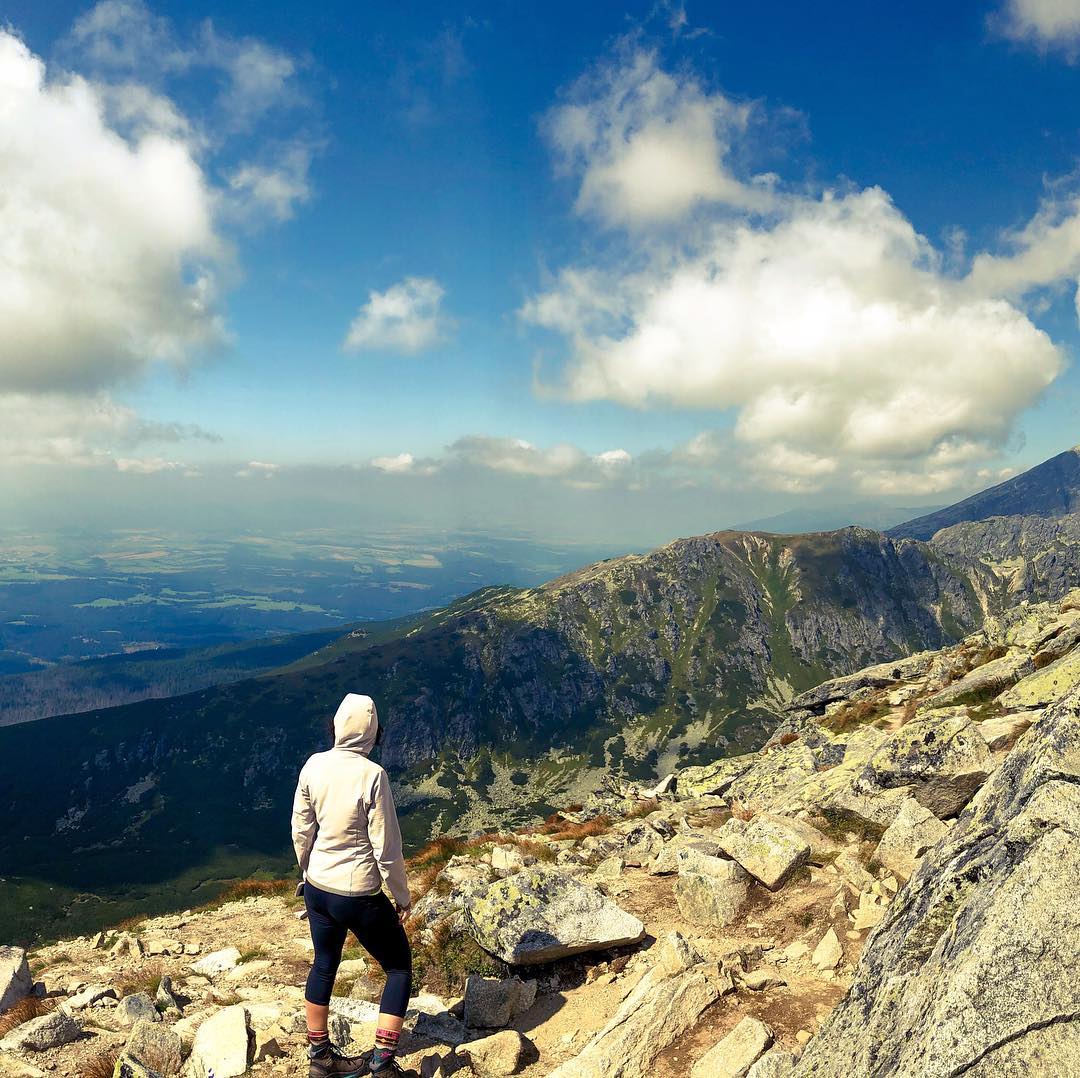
(347, 840)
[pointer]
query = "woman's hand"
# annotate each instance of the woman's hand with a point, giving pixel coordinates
(403, 913)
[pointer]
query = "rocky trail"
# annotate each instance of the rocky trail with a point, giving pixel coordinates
(887, 888)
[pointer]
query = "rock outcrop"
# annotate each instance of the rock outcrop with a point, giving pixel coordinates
(970, 972)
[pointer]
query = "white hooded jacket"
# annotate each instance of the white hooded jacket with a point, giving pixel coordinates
(344, 825)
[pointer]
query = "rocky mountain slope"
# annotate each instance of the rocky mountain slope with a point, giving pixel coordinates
(1049, 490)
(886, 889)
(496, 708)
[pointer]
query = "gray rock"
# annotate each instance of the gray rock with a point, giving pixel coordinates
(972, 970)
(770, 851)
(710, 890)
(128, 1066)
(775, 1063)
(735, 1054)
(165, 998)
(51, 1030)
(442, 1027)
(216, 962)
(88, 996)
(501, 1053)
(539, 915)
(665, 863)
(340, 1029)
(156, 1046)
(15, 979)
(984, 682)
(661, 1007)
(939, 758)
(223, 1044)
(641, 844)
(907, 838)
(491, 1003)
(137, 1008)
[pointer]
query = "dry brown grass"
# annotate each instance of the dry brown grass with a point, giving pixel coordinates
(146, 979)
(443, 964)
(27, 1008)
(100, 1065)
(558, 828)
(854, 713)
(241, 889)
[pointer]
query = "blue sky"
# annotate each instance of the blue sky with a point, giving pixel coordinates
(595, 269)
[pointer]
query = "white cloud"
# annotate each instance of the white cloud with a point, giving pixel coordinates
(274, 189)
(258, 469)
(79, 431)
(648, 146)
(406, 318)
(108, 250)
(148, 465)
(1044, 22)
(828, 326)
(403, 462)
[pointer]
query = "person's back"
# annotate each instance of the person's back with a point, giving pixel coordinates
(347, 841)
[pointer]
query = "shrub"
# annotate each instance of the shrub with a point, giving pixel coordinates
(446, 960)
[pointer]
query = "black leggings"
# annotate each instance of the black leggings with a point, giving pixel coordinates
(372, 919)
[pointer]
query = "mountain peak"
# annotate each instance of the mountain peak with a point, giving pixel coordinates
(1050, 489)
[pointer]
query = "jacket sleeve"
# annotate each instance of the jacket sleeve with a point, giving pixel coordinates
(385, 837)
(304, 824)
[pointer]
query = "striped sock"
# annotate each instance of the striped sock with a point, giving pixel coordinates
(386, 1042)
(318, 1041)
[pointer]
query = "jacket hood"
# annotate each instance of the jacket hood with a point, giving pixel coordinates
(356, 724)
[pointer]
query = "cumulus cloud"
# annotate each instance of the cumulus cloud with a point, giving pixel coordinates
(81, 431)
(1043, 22)
(108, 248)
(406, 318)
(825, 324)
(648, 146)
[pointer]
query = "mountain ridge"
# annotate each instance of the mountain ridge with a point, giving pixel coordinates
(1050, 489)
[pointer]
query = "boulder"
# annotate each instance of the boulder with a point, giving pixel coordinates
(821, 846)
(268, 1044)
(972, 970)
(641, 844)
(939, 757)
(775, 1063)
(442, 1027)
(40, 1034)
(165, 998)
(501, 1053)
(539, 915)
(1045, 686)
(491, 1003)
(908, 837)
(223, 1044)
(710, 890)
(660, 1008)
(137, 1008)
(1003, 731)
(507, 858)
(156, 1046)
(216, 962)
(88, 996)
(828, 954)
(735, 1054)
(984, 682)
(665, 862)
(769, 850)
(15, 979)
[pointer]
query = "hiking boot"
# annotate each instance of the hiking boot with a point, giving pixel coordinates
(392, 1068)
(332, 1064)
